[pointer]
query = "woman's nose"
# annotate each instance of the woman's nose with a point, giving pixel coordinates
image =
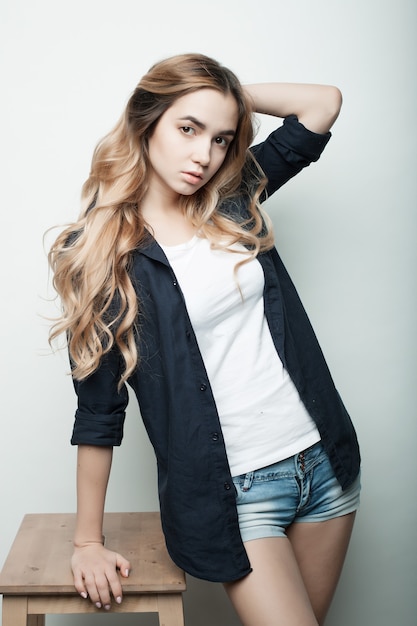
(202, 151)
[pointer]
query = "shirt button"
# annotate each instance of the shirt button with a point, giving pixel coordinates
(203, 387)
(227, 486)
(215, 436)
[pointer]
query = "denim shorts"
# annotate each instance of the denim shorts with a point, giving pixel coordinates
(302, 488)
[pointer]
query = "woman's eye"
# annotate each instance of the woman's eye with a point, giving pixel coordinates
(187, 130)
(221, 141)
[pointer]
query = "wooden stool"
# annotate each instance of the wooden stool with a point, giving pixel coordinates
(37, 580)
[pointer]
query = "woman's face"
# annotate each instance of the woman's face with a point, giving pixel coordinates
(190, 142)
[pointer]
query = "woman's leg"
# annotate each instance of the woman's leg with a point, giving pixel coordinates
(293, 580)
(273, 594)
(320, 549)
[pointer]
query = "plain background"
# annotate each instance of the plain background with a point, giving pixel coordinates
(346, 229)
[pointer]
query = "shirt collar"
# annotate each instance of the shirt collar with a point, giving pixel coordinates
(151, 249)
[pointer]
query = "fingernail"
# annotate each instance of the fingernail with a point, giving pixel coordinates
(107, 607)
(84, 595)
(127, 572)
(98, 605)
(118, 600)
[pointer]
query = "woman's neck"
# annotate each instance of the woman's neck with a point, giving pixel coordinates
(166, 222)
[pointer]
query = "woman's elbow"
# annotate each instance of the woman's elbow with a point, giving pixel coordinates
(322, 111)
(332, 103)
(335, 102)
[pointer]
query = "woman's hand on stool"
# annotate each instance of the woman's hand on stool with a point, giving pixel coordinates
(95, 573)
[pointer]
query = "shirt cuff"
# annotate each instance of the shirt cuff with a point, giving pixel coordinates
(302, 145)
(98, 429)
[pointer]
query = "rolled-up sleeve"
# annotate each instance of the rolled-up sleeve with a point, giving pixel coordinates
(287, 151)
(101, 411)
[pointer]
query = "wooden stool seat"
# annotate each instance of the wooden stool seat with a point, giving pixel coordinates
(36, 579)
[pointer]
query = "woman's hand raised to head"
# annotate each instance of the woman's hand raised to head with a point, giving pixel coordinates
(95, 570)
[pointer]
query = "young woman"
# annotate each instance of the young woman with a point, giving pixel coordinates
(169, 282)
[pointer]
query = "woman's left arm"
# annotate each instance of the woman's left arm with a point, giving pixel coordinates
(316, 106)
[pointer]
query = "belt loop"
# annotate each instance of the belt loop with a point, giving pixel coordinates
(247, 483)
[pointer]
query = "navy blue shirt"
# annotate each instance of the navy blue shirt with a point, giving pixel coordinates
(196, 492)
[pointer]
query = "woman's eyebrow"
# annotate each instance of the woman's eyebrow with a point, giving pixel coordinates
(194, 120)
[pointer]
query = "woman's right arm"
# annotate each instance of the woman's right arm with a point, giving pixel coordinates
(316, 106)
(94, 566)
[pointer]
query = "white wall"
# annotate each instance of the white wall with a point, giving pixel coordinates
(346, 229)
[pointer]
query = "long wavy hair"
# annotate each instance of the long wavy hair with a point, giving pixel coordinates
(90, 259)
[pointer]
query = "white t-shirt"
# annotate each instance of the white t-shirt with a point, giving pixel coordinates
(262, 417)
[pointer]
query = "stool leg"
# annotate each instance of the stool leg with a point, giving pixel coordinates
(15, 610)
(170, 609)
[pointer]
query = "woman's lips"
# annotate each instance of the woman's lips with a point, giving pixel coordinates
(192, 177)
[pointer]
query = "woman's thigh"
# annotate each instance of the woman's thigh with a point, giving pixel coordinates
(320, 549)
(273, 594)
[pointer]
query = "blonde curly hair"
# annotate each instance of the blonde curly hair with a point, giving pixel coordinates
(90, 258)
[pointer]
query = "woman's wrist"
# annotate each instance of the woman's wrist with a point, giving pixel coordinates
(83, 543)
